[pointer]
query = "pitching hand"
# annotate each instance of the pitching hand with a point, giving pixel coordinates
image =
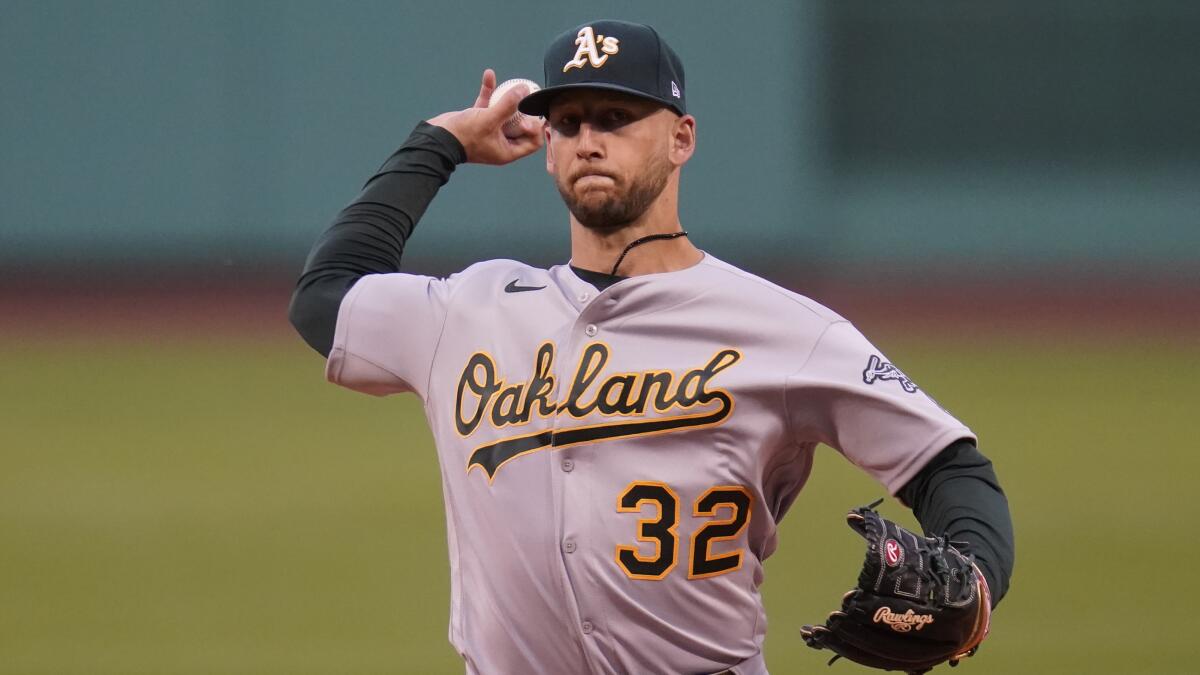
(478, 127)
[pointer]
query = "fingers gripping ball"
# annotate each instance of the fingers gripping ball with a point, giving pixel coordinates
(513, 126)
(918, 602)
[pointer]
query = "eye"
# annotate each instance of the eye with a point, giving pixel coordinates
(566, 124)
(615, 117)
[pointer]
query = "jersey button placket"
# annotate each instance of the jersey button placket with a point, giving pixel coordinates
(572, 512)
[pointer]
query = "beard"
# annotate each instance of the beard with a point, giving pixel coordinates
(614, 208)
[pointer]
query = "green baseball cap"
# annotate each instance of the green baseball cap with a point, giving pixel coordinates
(614, 55)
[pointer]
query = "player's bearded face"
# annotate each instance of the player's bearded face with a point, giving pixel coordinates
(612, 172)
(602, 200)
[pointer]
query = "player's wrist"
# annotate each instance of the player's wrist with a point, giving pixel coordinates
(447, 122)
(461, 126)
(443, 140)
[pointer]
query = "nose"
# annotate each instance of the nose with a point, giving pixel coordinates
(589, 144)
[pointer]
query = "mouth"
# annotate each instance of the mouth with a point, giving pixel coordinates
(594, 178)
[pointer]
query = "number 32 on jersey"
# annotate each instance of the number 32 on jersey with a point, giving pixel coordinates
(661, 530)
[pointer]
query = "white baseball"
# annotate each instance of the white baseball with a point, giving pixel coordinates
(512, 126)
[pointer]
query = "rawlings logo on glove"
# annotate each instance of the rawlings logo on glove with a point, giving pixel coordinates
(919, 602)
(902, 623)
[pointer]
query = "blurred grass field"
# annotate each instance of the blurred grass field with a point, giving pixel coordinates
(212, 506)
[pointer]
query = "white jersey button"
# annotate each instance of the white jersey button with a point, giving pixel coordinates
(569, 546)
(591, 330)
(587, 627)
(568, 465)
(583, 297)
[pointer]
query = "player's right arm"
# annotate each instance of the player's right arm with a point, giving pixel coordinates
(368, 236)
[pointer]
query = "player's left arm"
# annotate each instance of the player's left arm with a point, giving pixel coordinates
(848, 396)
(919, 600)
(958, 494)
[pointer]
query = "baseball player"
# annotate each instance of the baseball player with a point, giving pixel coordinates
(620, 435)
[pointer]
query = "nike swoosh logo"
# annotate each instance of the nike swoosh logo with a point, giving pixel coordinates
(512, 287)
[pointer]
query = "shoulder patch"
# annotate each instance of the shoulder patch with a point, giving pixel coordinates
(877, 369)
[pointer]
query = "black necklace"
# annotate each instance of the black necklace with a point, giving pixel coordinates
(642, 240)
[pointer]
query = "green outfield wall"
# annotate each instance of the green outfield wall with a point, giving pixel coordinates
(1032, 136)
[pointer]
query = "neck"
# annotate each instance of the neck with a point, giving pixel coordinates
(598, 250)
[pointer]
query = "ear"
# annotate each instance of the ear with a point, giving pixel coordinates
(683, 140)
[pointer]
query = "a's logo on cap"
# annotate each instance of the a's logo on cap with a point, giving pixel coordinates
(589, 52)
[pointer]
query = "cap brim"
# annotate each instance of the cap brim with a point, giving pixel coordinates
(538, 103)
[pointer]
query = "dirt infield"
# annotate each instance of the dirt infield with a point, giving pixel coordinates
(167, 305)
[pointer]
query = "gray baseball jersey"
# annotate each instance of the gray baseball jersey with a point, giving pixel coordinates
(614, 464)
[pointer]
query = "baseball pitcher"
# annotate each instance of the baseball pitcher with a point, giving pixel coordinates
(620, 435)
